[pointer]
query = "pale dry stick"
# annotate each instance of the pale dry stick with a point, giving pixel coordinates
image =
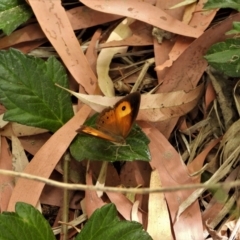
(128, 66)
(219, 174)
(66, 161)
(102, 177)
(80, 219)
(127, 60)
(142, 74)
(127, 54)
(226, 185)
(223, 212)
(128, 74)
(155, 88)
(235, 230)
(68, 225)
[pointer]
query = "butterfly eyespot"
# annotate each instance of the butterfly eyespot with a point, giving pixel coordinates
(114, 123)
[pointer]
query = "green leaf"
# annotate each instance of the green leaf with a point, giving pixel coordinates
(12, 14)
(89, 147)
(211, 4)
(235, 30)
(104, 224)
(26, 223)
(28, 92)
(225, 57)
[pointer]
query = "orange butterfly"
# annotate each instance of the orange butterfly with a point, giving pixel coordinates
(115, 123)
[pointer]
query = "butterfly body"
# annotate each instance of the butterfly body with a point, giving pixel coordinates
(115, 123)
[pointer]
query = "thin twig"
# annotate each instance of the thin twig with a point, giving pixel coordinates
(225, 185)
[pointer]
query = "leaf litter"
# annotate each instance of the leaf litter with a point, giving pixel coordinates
(191, 119)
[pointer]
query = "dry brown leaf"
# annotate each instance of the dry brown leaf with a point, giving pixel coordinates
(173, 172)
(56, 26)
(54, 196)
(189, 11)
(91, 53)
(27, 47)
(33, 143)
(198, 162)
(91, 200)
(231, 226)
(159, 224)
(80, 18)
(84, 17)
(105, 56)
(210, 95)
(141, 36)
(153, 108)
(45, 160)
(160, 107)
(182, 3)
(199, 20)
(6, 182)
(25, 34)
(215, 206)
(19, 158)
(145, 12)
(134, 174)
(20, 130)
(189, 67)
(221, 172)
(2, 122)
(124, 206)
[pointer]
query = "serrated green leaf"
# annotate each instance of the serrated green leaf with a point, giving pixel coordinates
(26, 223)
(89, 147)
(104, 224)
(225, 57)
(12, 14)
(28, 91)
(235, 30)
(211, 4)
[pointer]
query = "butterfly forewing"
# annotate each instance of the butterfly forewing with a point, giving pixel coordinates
(114, 124)
(127, 111)
(107, 122)
(100, 134)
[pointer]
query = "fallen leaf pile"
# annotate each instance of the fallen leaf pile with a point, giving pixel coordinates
(188, 111)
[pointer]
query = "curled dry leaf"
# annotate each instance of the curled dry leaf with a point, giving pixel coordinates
(153, 108)
(141, 36)
(105, 83)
